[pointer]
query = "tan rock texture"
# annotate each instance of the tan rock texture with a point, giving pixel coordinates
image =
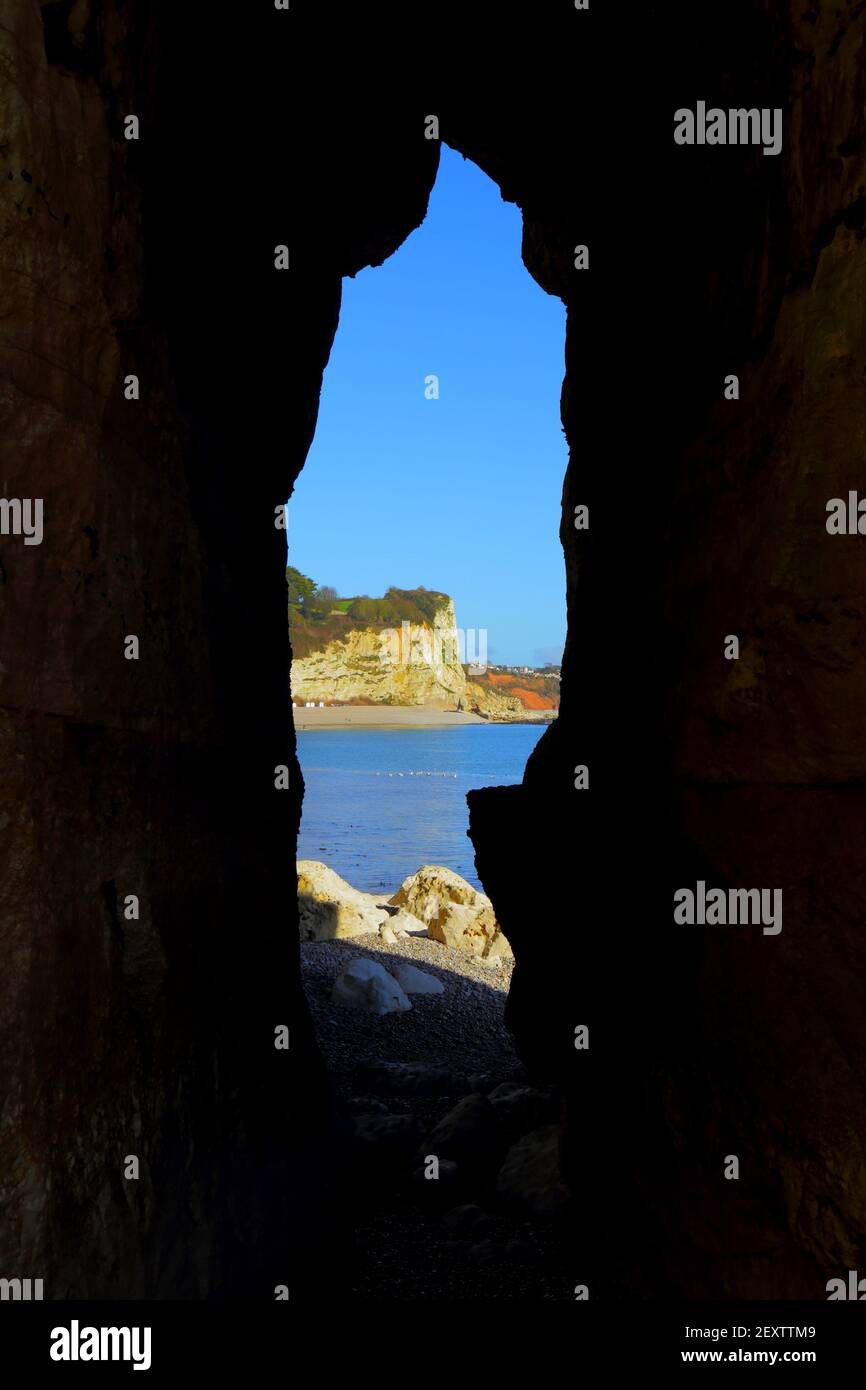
(416, 665)
(330, 908)
(424, 893)
(455, 913)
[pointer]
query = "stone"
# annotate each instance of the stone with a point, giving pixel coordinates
(403, 923)
(415, 981)
(522, 1108)
(455, 913)
(472, 929)
(330, 908)
(466, 1219)
(364, 984)
(530, 1173)
(469, 1133)
(498, 949)
(424, 892)
(398, 1134)
(387, 935)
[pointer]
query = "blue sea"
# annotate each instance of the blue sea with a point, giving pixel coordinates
(379, 803)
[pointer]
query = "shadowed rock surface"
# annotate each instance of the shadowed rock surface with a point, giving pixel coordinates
(156, 777)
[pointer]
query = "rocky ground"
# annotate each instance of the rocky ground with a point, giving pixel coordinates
(441, 1079)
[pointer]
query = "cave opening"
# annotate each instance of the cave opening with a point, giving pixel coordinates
(433, 480)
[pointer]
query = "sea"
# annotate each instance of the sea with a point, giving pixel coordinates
(379, 803)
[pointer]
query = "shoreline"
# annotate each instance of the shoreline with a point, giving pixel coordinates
(396, 717)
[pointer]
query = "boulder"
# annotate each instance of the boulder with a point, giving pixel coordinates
(403, 923)
(364, 984)
(522, 1108)
(415, 981)
(530, 1174)
(467, 1219)
(468, 1134)
(498, 948)
(330, 908)
(470, 929)
(394, 1134)
(455, 913)
(463, 928)
(425, 892)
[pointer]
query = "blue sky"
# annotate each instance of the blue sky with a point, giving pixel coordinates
(460, 494)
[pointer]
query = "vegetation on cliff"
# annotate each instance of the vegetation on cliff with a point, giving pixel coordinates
(318, 616)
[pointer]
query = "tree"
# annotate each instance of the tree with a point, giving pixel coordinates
(323, 600)
(301, 588)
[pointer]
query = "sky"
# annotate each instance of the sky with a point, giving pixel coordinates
(460, 494)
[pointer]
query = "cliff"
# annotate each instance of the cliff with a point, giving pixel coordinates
(411, 664)
(415, 663)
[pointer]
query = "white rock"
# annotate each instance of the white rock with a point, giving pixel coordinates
(404, 924)
(415, 981)
(387, 935)
(364, 984)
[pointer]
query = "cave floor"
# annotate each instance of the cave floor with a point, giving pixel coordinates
(394, 1078)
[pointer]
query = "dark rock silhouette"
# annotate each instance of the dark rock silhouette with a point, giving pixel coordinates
(156, 777)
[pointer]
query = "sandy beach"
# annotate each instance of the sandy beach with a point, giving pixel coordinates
(381, 717)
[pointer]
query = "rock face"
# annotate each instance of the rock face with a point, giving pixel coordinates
(143, 778)
(495, 704)
(329, 907)
(129, 406)
(415, 665)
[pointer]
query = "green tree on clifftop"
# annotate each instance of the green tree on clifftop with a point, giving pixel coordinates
(301, 588)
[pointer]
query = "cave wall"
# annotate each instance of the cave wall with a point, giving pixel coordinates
(707, 518)
(156, 777)
(156, 1037)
